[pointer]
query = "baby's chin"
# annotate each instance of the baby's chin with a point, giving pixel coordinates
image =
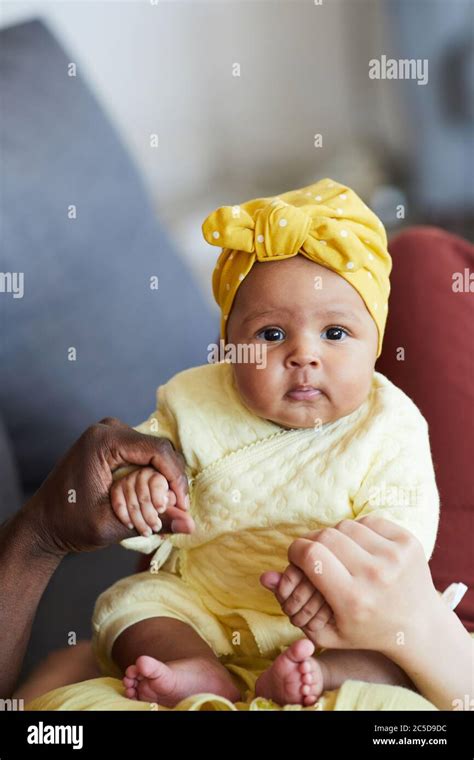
(303, 416)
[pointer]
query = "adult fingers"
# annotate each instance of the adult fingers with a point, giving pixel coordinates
(183, 523)
(127, 446)
(323, 568)
(174, 513)
(386, 528)
(171, 464)
(363, 535)
(112, 422)
(348, 551)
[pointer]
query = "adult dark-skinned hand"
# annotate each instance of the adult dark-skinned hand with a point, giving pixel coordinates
(71, 512)
(87, 522)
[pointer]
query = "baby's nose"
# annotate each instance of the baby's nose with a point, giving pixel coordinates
(304, 359)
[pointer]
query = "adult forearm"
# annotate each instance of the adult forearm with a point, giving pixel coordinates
(25, 571)
(439, 658)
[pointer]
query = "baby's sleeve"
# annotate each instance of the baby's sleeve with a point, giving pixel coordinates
(162, 422)
(400, 484)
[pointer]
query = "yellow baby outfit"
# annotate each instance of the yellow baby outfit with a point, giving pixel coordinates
(256, 486)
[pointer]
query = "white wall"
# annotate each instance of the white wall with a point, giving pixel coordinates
(167, 68)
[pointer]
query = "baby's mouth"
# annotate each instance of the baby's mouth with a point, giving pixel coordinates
(303, 393)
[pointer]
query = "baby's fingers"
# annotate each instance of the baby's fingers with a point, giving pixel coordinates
(134, 508)
(290, 579)
(119, 505)
(270, 579)
(303, 594)
(160, 493)
(318, 621)
(143, 492)
(313, 606)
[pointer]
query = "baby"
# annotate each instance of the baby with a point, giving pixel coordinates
(308, 438)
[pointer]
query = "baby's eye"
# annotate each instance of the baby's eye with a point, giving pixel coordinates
(271, 334)
(335, 333)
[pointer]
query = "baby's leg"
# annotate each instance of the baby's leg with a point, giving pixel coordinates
(304, 605)
(170, 662)
(339, 665)
(296, 677)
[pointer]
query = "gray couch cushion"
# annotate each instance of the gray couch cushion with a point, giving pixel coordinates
(86, 281)
(86, 285)
(10, 493)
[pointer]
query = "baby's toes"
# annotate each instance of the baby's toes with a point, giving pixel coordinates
(131, 672)
(312, 681)
(130, 685)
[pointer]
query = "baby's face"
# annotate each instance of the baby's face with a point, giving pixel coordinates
(318, 334)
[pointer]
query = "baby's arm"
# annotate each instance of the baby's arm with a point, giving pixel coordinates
(140, 496)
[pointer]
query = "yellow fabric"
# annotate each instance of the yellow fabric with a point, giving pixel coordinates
(108, 694)
(255, 487)
(326, 222)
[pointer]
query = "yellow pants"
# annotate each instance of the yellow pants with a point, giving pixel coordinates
(172, 598)
(228, 631)
(243, 658)
(108, 694)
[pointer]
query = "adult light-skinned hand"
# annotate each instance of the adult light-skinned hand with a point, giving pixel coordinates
(375, 591)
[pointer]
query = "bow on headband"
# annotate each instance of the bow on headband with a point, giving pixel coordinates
(326, 222)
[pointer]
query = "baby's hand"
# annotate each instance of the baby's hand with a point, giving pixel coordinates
(139, 497)
(298, 598)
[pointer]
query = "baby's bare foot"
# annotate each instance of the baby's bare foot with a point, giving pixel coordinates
(151, 680)
(294, 678)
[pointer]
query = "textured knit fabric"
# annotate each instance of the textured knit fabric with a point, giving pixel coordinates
(255, 487)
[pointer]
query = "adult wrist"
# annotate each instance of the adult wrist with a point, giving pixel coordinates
(27, 535)
(414, 641)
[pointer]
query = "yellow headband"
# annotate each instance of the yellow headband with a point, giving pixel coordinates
(326, 222)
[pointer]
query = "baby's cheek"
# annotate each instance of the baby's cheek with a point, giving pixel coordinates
(346, 397)
(251, 388)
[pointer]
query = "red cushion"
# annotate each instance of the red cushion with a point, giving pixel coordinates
(435, 326)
